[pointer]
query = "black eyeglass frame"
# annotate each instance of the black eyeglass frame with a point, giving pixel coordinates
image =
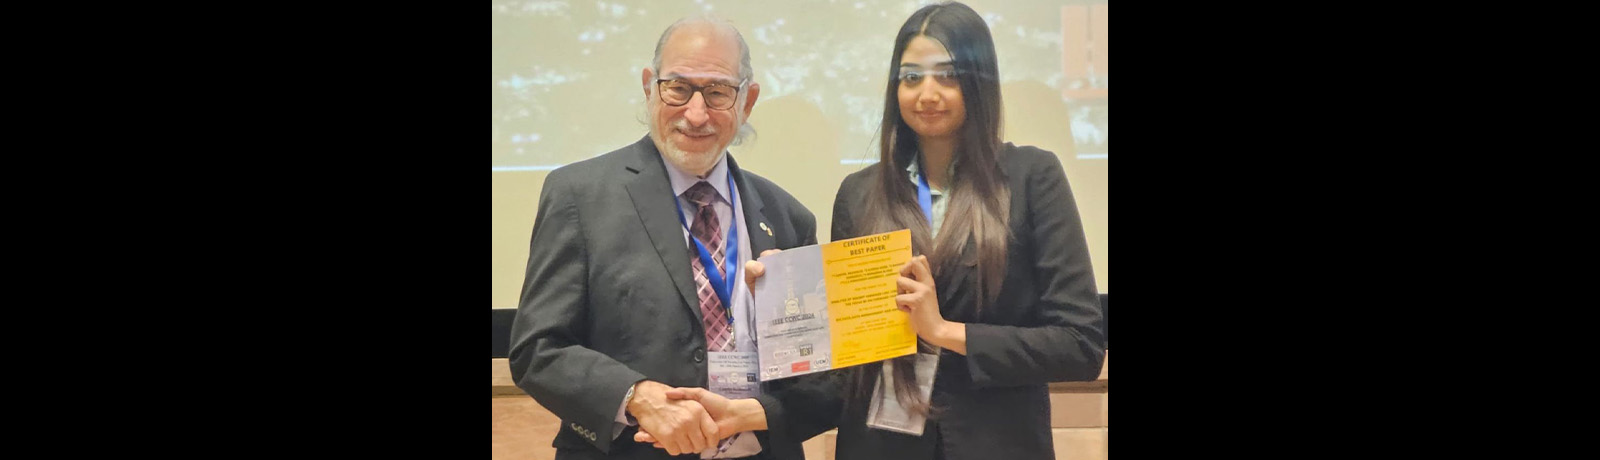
(693, 88)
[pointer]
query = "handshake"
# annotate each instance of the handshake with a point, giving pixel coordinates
(689, 420)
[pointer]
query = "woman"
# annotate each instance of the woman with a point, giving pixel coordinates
(1002, 292)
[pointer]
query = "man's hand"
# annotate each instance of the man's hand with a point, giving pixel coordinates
(732, 415)
(681, 426)
(754, 270)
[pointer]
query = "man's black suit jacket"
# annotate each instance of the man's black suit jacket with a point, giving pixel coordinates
(609, 301)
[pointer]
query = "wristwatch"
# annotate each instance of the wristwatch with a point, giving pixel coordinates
(625, 400)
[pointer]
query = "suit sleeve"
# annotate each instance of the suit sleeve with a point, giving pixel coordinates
(807, 227)
(1063, 341)
(809, 405)
(548, 356)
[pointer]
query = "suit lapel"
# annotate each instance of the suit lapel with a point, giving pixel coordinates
(952, 286)
(653, 200)
(957, 284)
(757, 224)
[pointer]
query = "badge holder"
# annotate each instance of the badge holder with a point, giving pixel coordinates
(886, 413)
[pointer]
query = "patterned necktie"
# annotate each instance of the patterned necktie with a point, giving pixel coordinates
(707, 229)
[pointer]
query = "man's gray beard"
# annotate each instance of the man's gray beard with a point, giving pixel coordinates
(679, 158)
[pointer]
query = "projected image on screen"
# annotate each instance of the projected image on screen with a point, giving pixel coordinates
(566, 74)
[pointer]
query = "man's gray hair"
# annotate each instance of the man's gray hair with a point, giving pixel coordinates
(745, 72)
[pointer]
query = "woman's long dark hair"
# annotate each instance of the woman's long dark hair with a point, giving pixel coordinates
(979, 202)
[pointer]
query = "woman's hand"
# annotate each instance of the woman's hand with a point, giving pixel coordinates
(919, 297)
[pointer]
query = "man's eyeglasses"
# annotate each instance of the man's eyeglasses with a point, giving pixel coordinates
(910, 77)
(717, 96)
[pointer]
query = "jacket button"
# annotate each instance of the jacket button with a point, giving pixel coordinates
(699, 355)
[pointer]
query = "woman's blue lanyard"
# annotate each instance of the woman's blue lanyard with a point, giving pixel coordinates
(723, 285)
(924, 193)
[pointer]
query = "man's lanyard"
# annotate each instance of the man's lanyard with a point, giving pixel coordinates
(722, 284)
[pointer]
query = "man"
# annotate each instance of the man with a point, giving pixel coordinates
(630, 289)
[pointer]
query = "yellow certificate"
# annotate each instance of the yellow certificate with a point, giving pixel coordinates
(831, 305)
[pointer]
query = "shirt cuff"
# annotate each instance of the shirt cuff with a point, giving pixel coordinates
(623, 420)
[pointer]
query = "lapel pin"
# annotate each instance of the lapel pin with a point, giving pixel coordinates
(764, 227)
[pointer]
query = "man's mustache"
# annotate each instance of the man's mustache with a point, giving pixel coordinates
(683, 125)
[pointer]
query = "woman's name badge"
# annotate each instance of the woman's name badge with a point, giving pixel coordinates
(886, 413)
